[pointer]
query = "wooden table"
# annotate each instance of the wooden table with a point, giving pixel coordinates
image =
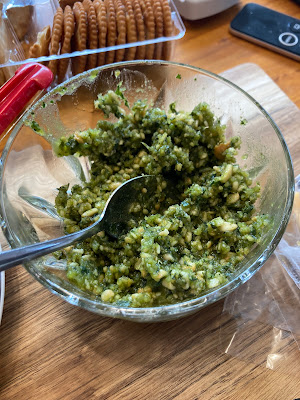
(52, 350)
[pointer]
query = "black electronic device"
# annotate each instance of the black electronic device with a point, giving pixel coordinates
(268, 28)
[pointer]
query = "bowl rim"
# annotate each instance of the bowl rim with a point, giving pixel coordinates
(188, 306)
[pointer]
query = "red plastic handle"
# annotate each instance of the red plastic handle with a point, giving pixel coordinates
(19, 90)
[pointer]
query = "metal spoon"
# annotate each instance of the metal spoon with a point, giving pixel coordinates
(113, 221)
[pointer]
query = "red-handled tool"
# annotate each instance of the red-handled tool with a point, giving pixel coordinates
(20, 89)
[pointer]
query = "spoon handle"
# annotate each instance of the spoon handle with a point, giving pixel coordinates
(14, 257)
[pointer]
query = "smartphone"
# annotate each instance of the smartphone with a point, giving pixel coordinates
(268, 28)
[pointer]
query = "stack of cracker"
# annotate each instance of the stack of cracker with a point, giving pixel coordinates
(103, 23)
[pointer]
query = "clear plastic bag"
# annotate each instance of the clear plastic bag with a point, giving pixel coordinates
(24, 20)
(288, 250)
(260, 322)
(10, 48)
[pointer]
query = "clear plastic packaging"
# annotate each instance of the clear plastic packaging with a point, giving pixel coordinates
(10, 48)
(261, 319)
(288, 250)
(27, 18)
(26, 21)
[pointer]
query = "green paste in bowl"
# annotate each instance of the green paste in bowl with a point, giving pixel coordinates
(191, 233)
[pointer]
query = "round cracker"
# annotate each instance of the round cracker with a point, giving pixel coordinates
(64, 3)
(68, 32)
(80, 38)
(111, 29)
(159, 27)
(149, 21)
(57, 30)
(168, 28)
(92, 32)
(86, 4)
(96, 4)
(102, 26)
(41, 47)
(121, 29)
(140, 27)
(131, 31)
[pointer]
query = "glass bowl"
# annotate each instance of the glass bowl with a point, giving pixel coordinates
(31, 173)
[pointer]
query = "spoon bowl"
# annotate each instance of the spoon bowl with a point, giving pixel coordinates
(113, 220)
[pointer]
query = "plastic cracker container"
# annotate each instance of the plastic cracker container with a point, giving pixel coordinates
(70, 41)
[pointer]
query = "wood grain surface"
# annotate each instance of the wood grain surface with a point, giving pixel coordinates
(52, 350)
(208, 44)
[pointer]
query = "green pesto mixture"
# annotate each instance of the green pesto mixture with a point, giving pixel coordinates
(190, 235)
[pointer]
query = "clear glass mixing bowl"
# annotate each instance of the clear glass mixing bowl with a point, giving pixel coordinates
(31, 173)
